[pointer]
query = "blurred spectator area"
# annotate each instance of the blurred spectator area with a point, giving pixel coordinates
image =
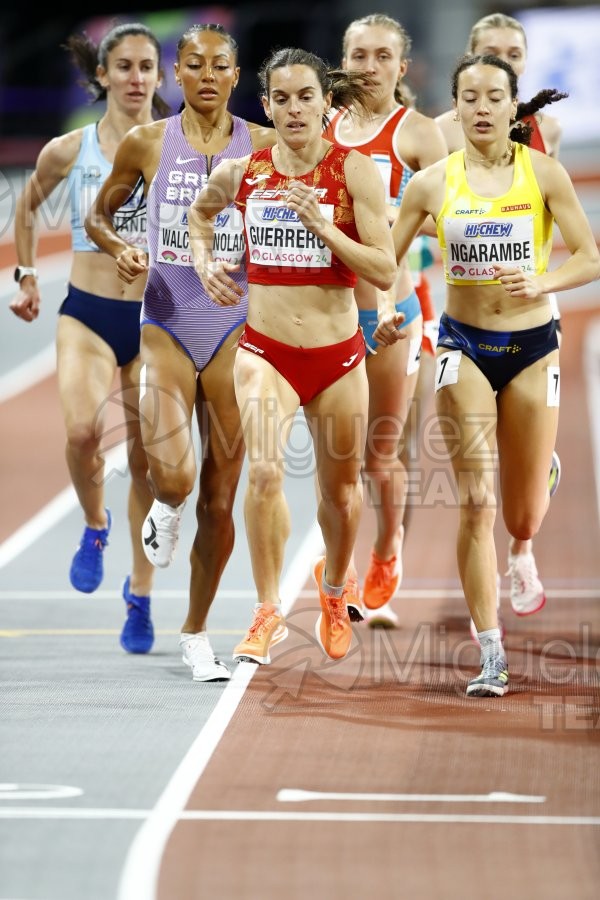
(40, 97)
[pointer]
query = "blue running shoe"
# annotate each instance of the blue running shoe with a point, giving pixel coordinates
(137, 635)
(87, 568)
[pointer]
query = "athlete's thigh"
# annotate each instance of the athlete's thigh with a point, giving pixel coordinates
(129, 402)
(527, 424)
(337, 419)
(86, 367)
(267, 406)
(391, 387)
(217, 411)
(167, 395)
(466, 409)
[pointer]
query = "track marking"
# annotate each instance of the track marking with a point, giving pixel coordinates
(53, 512)
(139, 878)
(38, 791)
(28, 373)
(293, 795)
(139, 889)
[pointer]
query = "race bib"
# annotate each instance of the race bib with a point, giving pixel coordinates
(277, 237)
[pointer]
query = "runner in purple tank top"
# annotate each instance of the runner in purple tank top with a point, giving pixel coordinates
(187, 339)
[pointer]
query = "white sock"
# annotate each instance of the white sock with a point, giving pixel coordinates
(490, 642)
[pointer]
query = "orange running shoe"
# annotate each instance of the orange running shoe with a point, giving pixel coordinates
(267, 629)
(352, 596)
(333, 628)
(381, 582)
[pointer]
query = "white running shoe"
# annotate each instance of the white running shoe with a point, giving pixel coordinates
(473, 630)
(382, 617)
(526, 590)
(160, 533)
(197, 653)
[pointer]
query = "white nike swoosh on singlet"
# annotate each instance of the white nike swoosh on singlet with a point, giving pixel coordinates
(350, 361)
(182, 162)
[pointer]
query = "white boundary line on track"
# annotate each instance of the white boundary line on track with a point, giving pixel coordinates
(53, 512)
(139, 878)
(138, 890)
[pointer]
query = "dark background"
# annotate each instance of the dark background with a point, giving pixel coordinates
(38, 90)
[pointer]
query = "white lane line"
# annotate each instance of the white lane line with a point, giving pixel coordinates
(28, 373)
(591, 362)
(53, 267)
(53, 512)
(139, 878)
(566, 593)
(242, 815)
(294, 795)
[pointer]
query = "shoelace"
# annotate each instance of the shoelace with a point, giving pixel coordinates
(197, 649)
(383, 571)
(523, 581)
(261, 623)
(93, 541)
(337, 611)
(494, 666)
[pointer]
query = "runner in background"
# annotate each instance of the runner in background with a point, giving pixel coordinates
(98, 328)
(401, 141)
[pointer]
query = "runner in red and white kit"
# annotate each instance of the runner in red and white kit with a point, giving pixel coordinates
(314, 215)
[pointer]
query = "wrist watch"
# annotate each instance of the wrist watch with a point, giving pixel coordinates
(22, 271)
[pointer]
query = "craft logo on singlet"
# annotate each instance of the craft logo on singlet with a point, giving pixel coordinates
(91, 174)
(469, 212)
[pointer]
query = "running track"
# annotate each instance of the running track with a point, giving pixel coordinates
(123, 779)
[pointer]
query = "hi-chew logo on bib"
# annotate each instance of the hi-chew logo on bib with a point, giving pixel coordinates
(277, 237)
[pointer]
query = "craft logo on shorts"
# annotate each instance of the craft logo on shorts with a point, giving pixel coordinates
(169, 256)
(458, 271)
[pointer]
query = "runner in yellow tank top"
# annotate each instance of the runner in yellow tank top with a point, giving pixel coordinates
(497, 373)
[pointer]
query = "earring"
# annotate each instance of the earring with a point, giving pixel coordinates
(456, 117)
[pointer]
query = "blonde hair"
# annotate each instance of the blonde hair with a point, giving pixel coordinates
(402, 94)
(494, 20)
